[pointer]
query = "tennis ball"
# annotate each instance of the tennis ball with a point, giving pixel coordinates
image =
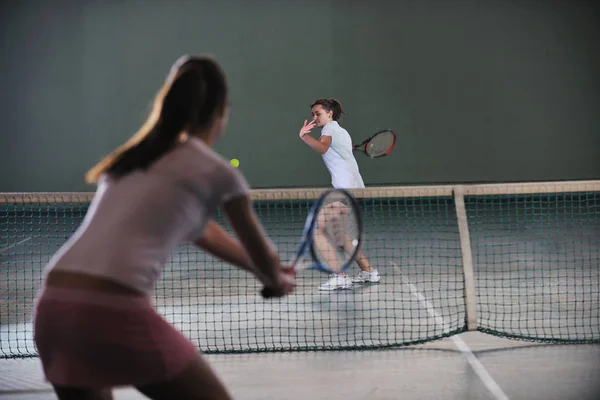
(235, 163)
(355, 243)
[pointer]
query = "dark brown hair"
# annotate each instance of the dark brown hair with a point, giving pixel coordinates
(194, 94)
(330, 105)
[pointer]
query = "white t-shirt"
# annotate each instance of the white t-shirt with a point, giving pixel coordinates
(339, 159)
(135, 223)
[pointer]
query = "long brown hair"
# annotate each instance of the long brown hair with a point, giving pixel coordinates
(194, 94)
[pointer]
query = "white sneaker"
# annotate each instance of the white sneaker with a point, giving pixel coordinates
(337, 282)
(370, 277)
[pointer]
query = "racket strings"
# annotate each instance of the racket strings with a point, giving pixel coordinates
(337, 233)
(380, 144)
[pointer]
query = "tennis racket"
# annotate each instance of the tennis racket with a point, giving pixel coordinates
(379, 144)
(332, 234)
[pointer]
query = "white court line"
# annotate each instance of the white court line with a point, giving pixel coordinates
(460, 344)
(2, 250)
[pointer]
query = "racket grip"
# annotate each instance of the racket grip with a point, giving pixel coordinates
(267, 293)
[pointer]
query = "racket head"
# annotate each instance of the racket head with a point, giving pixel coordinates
(319, 218)
(381, 144)
(307, 233)
(337, 232)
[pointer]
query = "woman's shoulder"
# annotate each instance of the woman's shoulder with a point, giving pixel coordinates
(333, 127)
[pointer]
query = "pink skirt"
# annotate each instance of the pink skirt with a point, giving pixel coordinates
(99, 340)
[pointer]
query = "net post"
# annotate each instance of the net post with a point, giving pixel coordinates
(467, 260)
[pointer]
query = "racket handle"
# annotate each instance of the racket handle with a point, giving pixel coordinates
(267, 293)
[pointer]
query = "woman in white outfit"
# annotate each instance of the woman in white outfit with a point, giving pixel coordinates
(335, 147)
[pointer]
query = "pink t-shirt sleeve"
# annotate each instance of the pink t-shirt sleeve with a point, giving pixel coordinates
(234, 186)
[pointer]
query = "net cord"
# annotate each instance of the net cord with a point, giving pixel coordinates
(370, 192)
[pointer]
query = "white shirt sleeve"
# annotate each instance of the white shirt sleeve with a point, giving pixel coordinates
(327, 130)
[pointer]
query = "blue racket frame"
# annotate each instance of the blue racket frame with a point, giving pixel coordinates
(308, 231)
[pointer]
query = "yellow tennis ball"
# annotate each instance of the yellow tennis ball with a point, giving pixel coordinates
(235, 163)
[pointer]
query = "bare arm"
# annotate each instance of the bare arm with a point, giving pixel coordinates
(264, 260)
(217, 242)
(320, 146)
(220, 244)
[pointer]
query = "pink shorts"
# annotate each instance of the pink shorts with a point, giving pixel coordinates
(99, 340)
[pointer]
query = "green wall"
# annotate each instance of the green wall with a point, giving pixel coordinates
(477, 90)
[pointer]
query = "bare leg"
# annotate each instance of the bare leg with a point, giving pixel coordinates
(330, 224)
(334, 215)
(327, 250)
(196, 382)
(361, 259)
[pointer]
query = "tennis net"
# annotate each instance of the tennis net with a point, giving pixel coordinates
(515, 260)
